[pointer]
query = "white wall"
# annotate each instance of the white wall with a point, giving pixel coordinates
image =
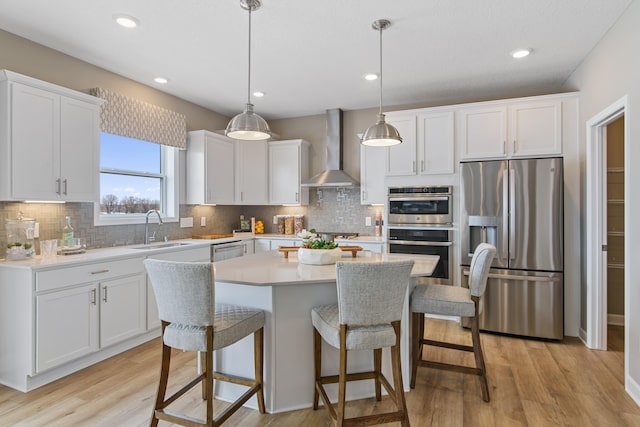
(611, 71)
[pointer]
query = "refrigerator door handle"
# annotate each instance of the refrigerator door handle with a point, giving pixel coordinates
(512, 213)
(505, 216)
(519, 277)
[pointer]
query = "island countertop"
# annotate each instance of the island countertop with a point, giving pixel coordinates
(273, 269)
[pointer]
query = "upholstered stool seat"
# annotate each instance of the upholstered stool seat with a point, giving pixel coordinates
(192, 321)
(367, 317)
(453, 301)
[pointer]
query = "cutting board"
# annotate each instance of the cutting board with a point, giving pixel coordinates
(211, 236)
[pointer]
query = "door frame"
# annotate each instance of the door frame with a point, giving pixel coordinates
(596, 232)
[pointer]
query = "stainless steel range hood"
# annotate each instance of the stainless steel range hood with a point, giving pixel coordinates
(333, 175)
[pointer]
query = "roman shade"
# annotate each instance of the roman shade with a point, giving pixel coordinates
(124, 116)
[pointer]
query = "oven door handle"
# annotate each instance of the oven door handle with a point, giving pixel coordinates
(419, 243)
(413, 199)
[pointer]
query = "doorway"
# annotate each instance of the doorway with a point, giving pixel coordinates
(606, 191)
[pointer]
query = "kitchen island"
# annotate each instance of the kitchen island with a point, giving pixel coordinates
(286, 291)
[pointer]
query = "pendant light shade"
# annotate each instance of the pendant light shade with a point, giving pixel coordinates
(248, 125)
(382, 134)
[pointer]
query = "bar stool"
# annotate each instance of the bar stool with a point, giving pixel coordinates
(192, 321)
(453, 301)
(367, 317)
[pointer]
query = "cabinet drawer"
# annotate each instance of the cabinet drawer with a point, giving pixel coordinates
(59, 278)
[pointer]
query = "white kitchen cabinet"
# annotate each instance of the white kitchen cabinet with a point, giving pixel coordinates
(401, 158)
(249, 247)
(252, 176)
(123, 304)
(50, 141)
(288, 167)
(210, 168)
(372, 166)
(427, 146)
(202, 254)
(511, 130)
(74, 315)
(66, 325)
(262, 245)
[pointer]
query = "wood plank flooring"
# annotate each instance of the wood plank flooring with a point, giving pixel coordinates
(532, 383)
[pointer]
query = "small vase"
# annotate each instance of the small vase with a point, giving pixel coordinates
(319, 256)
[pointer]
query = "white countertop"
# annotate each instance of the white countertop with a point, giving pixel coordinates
(361, 239)
(272, 268)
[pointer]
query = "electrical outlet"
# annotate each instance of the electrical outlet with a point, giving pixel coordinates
(186, 222)
(367, 220)
(203, 221)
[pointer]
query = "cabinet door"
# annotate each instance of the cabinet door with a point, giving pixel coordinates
(372, 163)
(262, 245)
(401, 158)
(79, 151)
(66, 325)
(535, 129)
(483, 133)
(284, 174)
(35, 143)
(122, 309)
(435, 143)
(249, 247)
(220, 173)
(251, 173)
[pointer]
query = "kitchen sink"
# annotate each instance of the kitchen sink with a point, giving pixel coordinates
(161, 245)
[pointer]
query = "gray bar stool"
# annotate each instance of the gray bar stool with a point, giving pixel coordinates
(192, 321)
(367, 317)
(453, 301)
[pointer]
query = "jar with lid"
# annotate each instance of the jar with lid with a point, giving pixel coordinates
(280, 224)
(20, 232)
(288, 225)
(298, 223)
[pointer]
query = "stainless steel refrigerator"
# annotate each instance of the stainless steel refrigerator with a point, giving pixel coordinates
(517, 206)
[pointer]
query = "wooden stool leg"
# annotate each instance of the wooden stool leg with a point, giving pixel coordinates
(342, 381)
(258, 354)
(202, 362)
(377, 367)
(417, 320)
(317, 365)
(209, 375)
(397, 376)
(164, 378)
(477, 352)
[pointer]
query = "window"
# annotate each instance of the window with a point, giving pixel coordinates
(135, 176)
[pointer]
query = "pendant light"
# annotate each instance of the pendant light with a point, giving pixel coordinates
(381, 134)
(248, 125)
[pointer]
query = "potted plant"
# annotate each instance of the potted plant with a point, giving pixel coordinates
(317, 251)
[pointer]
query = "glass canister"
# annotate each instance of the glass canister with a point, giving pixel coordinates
(280, 224)
(298, 223)
(20, 233)
(289, 225)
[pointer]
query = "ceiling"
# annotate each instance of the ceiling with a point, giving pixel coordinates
(309, 56)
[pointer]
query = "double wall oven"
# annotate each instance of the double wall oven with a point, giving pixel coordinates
(420, 221)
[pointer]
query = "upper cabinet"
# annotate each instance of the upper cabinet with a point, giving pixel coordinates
(210, 168)
(252, 178)
(288, 167)
(427, 147)
(511, 130)
(372, 163)
(49, 140)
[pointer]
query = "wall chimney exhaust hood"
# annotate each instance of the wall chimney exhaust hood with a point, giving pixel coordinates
(333, 175)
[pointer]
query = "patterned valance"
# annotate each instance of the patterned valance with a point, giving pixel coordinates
(124, 116)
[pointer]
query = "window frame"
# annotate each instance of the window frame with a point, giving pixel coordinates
(169, 190)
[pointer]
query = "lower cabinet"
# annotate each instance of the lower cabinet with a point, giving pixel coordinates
(123, 306)
(262, 245)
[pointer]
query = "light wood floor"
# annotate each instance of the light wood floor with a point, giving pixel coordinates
(532, 383)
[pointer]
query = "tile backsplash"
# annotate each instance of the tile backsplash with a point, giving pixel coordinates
(328, 210)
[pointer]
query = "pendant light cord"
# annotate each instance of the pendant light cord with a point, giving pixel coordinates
(380, 94)
(249, 73)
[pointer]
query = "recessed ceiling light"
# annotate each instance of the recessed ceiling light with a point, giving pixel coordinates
(258, 94)
(161, 80)
(520, 53)
(126, 21)
(371, 76)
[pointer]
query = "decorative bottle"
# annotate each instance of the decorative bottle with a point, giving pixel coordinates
(67, 233)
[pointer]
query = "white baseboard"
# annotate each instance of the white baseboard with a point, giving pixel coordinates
(615, 319)
(633, 389)
(582, 334)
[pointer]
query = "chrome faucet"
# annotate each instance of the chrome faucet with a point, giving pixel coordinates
(148, 238)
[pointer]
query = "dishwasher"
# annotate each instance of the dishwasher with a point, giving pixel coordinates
(227, 250)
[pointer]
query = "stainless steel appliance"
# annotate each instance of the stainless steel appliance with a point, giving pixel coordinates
(517, 206)
(227, 250)
(420, 205)
(420, 222)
